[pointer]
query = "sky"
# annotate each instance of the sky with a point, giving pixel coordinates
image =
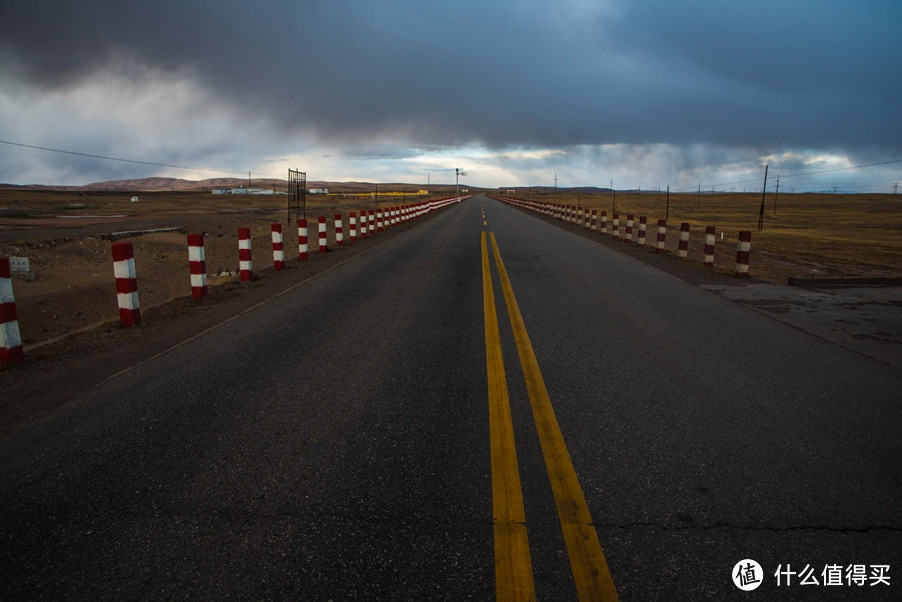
(629, 93)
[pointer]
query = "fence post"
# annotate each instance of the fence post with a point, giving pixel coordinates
(339, 231)
(709, 246)
(245, 265)
(278, 247)
(303, 247)
(662, 236)
(197, 266)
(126, 284)
(683, 249)
(321, 226)
(743, 250)
(11, 351)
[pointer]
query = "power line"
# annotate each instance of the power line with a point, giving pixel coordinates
(79, 154)
(808, 173)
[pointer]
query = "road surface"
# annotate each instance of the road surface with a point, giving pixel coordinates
(484, 404)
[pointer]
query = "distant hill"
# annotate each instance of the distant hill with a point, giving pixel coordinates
(157, 184)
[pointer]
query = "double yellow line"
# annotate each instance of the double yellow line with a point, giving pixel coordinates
(513, 564)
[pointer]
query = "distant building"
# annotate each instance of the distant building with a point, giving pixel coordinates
(242, 190)
(318, 191)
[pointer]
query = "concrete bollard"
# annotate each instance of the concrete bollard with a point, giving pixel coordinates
(352, 220)
(662, 236)
(339, 230)
(321, 225)
(628, 237)
(303, 247)
(743, 250)
(245, 265)
(126, 284)
(278, 247)
(643, 229)
(363, 224)
(683, 249)
(372, 221)
(594, 219)
(616, 225)
(11, 351)
(604, 222)
(710, 237)
(197, 266)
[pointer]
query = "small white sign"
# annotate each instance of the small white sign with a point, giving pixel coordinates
(19, 264)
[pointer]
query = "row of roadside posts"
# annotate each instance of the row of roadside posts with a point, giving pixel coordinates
(593, 221)
(370, 222)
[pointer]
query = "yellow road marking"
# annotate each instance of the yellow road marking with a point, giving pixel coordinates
(587, 562)
(513, 565)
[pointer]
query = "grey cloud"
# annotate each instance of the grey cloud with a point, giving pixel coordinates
(758, 75)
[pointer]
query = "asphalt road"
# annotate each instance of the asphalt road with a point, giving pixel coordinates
(335, 442)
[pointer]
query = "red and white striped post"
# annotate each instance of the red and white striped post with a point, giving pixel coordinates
(662, 236)
(352, 220)
(643, 228)
(683, 249)
(278, 247)
(594, 219)
(710, 236)
(628, 237)
(372, 221)
(245, 265)
(303, 247)
(197, 266)
(363, 224)
(126, 284)
(321, 225)
(11, 351)
(743, 250)
(339, 230)
(616, 222)
(380, 220)
(604, 222)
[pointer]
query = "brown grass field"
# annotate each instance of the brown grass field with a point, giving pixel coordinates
(807, 235)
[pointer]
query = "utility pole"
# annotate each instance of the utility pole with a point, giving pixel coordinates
(555, 181)
(777, 194)
(698, 199)
(763, 192)
(667, 212)
(895, 188)
(614, 193)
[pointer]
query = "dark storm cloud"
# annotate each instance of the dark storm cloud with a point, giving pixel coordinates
(752, 75)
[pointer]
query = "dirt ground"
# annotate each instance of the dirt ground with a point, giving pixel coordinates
(69, 251)
(66, 239)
